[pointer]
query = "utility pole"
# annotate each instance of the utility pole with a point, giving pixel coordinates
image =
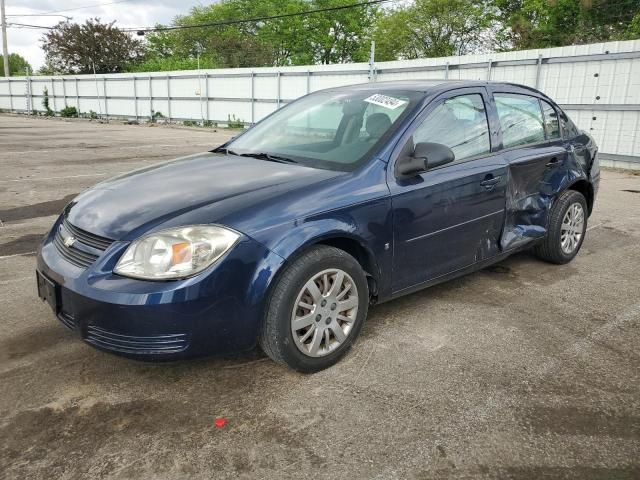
(372, 62)
(5, 50)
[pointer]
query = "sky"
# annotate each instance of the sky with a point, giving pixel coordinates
(127, 13)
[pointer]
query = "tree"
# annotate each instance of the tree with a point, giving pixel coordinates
(434, 28)
(74, 48)
(633, 30)
(340, 36)
(323, 37)
(18, 65)
(156, 64)
(394, 39)
(538, 23)
(237, 45)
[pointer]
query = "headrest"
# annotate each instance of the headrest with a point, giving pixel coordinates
(378, 124)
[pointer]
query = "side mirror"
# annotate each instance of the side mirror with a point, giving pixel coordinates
(425, 155)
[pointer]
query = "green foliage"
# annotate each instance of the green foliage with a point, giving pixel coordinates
(69, 112)
(434, 28)
(45, 70)
(166, 64)
(155, 116)
(205, 123)
(393, 39)
(45, 103)
(339, 36)
(18, 65)
(428, 28)
(327, 37)
(75, 48)
(539, 24)
(633, 30)
(402, 30)
(234, 122)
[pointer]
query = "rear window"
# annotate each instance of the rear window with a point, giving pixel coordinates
(551, 124)
(567, 127)
(521, 119)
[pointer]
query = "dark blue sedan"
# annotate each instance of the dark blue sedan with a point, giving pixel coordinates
(285, 235)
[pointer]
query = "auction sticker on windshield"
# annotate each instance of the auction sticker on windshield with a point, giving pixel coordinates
(385, 101)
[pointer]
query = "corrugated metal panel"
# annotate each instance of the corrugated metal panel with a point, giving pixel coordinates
(601, 81)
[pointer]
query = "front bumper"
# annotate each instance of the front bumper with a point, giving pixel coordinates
(218, 311)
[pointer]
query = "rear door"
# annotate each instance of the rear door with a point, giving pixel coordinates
(536, 157)
(448, 217)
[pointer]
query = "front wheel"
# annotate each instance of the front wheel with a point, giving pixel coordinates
(567, 227)
(316, 310)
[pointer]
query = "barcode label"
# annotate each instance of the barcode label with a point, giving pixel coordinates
(385, 101)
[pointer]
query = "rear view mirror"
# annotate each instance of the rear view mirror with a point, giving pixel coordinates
(425, 155)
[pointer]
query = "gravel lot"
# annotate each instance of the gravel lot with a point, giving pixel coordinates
(523, 370)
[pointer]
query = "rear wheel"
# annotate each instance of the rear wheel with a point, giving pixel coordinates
(567, 227)
(316, 310)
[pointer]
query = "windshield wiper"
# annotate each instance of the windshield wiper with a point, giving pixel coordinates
(259, 155)
(263, 156)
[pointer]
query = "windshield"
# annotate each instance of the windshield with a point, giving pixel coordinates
(330, 130)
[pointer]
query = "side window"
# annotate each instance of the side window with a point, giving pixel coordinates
(520, 118)
(551, 124)
(460, 123)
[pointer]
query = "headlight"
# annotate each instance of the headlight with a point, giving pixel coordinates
(176, 252)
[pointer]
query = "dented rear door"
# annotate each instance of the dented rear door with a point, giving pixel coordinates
(533, 175)
(536, 160)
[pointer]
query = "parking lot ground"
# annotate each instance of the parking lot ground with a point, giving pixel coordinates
(523, 370)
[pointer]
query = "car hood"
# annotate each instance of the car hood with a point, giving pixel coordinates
(127, 206)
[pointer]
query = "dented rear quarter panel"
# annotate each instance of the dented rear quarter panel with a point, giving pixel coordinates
(537, 176)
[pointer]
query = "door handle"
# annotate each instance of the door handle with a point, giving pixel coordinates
(489, 183)
(553, 162)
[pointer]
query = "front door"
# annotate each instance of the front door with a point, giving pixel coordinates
(449, 217)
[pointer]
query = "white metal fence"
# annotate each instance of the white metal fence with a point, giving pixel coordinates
(598, 85)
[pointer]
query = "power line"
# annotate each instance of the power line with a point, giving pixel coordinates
(26, 25)
(142, 30)
(256, 19)
(223, 23)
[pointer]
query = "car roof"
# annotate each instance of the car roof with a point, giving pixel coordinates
(430, 86)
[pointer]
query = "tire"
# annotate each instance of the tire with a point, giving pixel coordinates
(555, 249)
(321, 266)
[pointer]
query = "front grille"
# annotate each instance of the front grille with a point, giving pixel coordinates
(95, 241)
(147, 345)
(77, 256)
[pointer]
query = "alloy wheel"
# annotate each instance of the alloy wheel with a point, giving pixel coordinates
(571, 228)
(324, 312)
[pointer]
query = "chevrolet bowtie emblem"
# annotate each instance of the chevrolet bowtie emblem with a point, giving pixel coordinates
(69, 241)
